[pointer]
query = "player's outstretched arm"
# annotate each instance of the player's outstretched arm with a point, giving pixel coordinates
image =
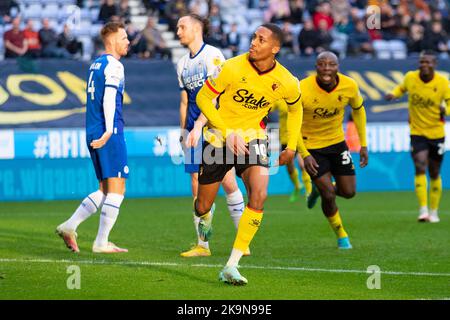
(359, 118)
(397, 92)
(196, 132)
(109, 109)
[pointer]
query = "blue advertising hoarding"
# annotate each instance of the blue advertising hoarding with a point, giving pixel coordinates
(47, 164)
(52, 93)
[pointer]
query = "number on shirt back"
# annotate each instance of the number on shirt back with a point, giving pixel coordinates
(91, 88)
(346, 157)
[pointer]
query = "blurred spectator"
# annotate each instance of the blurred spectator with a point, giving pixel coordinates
(359, 4)
(307, 39)
(344, 25)
(233, 40)
(175, 10)
(199, 7)
(216, 36)
(214, 16)
(156, 7)
(436, 39)
(311, 6)
(137, 44)
(324, 38)
(290, 45)
(359, 40)
(49, 42)
(420, 17)
(402, 22)
(6, 7)
(297, 8)
(444, 19)
(415, 42)
(15, 43)
(323, 13)
(411, 7)
(67, 41)
(124, 11)
(340, 9)
(278, 11)
(388, 22)
(107, 10)
(155, 44)
(32, 38)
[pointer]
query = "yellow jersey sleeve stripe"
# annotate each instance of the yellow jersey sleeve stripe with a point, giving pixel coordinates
(294, 102)
(358, 107)
(211, 87)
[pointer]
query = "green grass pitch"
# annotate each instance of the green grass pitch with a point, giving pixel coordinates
(294, 254)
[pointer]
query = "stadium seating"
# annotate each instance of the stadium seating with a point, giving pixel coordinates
(247, 16)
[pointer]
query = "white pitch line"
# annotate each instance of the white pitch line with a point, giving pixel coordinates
(174, 264)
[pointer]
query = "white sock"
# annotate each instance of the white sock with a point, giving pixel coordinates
(235, 256)
(235, 203)
(88, 207)
(433, 212)
(423, 210)
(200, 242)
(110, 211)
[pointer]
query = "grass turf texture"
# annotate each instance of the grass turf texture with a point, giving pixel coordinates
(382, 229)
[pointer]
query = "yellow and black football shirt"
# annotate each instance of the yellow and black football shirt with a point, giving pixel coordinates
(246, 97)
(424, 103)
(323, 112)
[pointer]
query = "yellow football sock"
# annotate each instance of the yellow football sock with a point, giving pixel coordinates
(248, 226)
(420, 182)
(435, 192)
(294, 179)
(306, 181)
(337, 226)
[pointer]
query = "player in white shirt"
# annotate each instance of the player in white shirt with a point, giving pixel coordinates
(193, 69)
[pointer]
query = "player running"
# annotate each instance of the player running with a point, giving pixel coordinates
(427, 89)
(324, 99)
(193, 69)
(105, 140)
(248, 85)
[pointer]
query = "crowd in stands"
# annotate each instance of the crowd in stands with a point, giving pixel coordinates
(368, 28)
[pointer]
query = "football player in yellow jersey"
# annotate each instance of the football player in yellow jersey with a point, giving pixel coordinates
(235, 135)
(427, 90)
(325, 152)
(305, 183)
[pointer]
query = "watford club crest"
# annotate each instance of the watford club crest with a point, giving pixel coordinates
(275, 86)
